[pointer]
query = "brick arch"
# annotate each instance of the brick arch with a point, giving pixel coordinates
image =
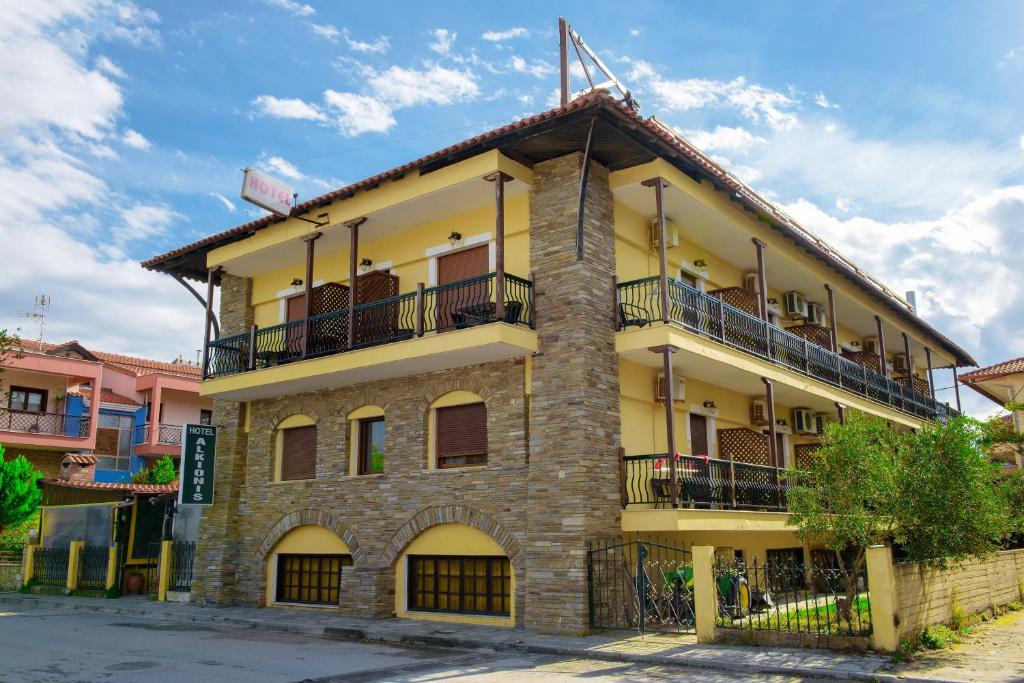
(306, 408)
(362, 397)
(454, 514)
(456, 384)
(309, 517)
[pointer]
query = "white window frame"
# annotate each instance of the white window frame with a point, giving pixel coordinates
(432, 253)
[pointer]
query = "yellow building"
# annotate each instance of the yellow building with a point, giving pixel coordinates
(1002, 383)
(436, 386)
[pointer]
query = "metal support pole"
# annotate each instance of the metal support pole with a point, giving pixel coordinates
(211, 276)
(832, 319)
(307, 295)
(762, 280)
(499, 179)
(353, 280)
(659, 185)
(881, 347)
(956, 387)
(910, 361)
(419, 309)
(252, 347)
(931, 378)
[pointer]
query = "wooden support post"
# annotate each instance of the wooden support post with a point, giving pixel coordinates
(881, 347)
(211, 275)
(773, 451)
(353, 278)
(833, 342)
(307, 294)
(251, 361)
(910, 361)
(499, 179)
(659, 185)
(841, 411)
(762, 280)
(931, 377)
(670, 421)
(956, 387)
(419, 309)
(563, 59)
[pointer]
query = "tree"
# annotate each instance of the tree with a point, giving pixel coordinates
(844, 499)
(19, 495)
(950, 504)
(1013, 491)
(9, 348)
(163, 471)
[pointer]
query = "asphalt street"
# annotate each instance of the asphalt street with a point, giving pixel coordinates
(40, 646)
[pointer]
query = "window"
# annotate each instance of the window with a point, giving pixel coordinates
(298, 453)
(371, 445)
(310, 579)
(462, 435)
(206, 417)
(113, 442)
(699, 434)
(28, 400)
(475, 585)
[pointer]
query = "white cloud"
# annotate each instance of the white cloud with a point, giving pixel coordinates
(1021, 142)
(379, 46)
(508, 34)
(143, 221)
(297, 8)
(443, 40)
(724, 139)
(327, 31)
(634, 32)
(228, 204)
(358, 114)
(843, 204)
(400, 87)
(101, 151)
(286, 108)
(134, 138)
(108, 67)
(282, 167)
(823, 102)
(538, 68)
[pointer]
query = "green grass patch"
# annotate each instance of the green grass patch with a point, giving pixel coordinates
(940, 637)
(813, 619)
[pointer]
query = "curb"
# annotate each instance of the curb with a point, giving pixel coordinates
(371, 635)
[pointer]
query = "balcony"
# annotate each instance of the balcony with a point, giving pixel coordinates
(47, 424)
(428, 329)
(167, 434)
(639, 305)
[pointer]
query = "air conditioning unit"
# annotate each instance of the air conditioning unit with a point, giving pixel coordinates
(796, 304)
(678, 390)
(671, 232)
(900, 363)
(816, 314)
(870, 345)
(750, 281)
(759, 412)
(805, 421)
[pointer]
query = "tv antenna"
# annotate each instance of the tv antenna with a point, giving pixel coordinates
(568, 37)
(42, 305)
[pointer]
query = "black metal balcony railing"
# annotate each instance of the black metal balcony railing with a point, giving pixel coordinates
(50, 424)
(704, 483)
(457, 305)
(639, 304)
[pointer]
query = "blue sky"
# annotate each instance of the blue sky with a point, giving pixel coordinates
(894, 130)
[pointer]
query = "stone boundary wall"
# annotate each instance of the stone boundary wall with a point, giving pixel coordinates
(925, 595)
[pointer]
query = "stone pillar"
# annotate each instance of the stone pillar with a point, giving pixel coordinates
(573, 494)
(214, 570)
(885, 632)
(705, 593)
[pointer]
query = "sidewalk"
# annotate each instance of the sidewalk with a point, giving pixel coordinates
(621, 646)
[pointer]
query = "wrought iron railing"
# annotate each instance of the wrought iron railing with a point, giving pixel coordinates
(183, 555)
(788, 595)
(704, 483)
(639, 304)
(169, 435)
(452, 306)
(51, 424)
(92, 567)
(50, 566)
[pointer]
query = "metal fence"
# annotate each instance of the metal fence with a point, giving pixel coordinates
(778, 595)
(183, 555)
(639, 304)
(705, 483)
(92, 567)
(54, 424)
(50, 566)
(641, 585)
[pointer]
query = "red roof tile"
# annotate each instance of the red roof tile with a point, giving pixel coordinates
(1007, 367)
(111, 486)
(108, 396)
(132, 364)
(80, 458)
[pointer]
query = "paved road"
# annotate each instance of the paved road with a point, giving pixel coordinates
(40, 646)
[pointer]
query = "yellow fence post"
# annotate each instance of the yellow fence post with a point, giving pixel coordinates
(111, 566)
(885, 635)
(705, 596)
(74, 558)
(164, 579)
(29, 563)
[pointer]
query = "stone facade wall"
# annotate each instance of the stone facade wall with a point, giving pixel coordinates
(574, 407)
(47, 462)
(925, 595)
(378, 515)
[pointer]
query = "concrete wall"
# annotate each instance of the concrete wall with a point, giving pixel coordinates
(925, 595)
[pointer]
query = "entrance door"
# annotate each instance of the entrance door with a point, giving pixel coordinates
(463, 305)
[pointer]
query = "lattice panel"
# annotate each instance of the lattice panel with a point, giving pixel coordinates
(816, 334)
(863, 358)
(743, 445)
(329, 297)
(737, 297)
(376, 285)
(803, 453)
(918, 384)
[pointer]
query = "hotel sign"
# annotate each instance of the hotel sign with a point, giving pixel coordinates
(266, 192)
(198, 453)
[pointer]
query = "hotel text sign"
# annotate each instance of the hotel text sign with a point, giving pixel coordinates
(198, 451)
(267, 192)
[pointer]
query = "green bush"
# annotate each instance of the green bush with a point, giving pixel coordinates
(939, 637)
(19, 495)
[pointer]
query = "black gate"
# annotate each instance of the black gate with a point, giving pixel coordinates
(642, 585)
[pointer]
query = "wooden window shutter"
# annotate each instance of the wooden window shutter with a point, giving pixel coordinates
(699, 434)
(463, 264)
(462, 435)
(298, 453)
(296, 307)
